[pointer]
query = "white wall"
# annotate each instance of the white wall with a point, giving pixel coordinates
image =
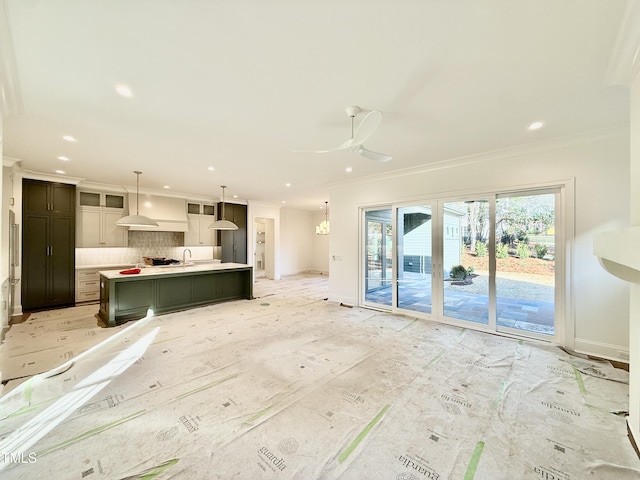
(320, 245)
(4, 244)
(634, 327)
(297, 233)
(599, 163)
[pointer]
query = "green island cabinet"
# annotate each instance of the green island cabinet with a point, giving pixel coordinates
(128, 297)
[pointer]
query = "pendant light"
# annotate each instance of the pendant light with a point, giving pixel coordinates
(223, 224)
(323, 228)
(136, 220)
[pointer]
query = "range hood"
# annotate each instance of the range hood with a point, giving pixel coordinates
(169, 212)
(618, 253)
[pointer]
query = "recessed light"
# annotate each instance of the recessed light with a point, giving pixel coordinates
(124, 91)
(211, 169)
(166, 186)
(284, 201)
(287, 184)
(235, 196)
(69, 138)
(63, 158)
(536, 125)
(349, 169)
(61, 172)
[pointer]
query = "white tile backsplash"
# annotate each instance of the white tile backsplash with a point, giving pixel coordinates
(133, 255)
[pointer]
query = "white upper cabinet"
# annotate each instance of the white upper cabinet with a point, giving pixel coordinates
(96, 218)
(200, 216)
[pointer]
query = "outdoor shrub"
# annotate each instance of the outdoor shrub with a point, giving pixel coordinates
(508, 238)
(458, 272)
(522, 250)
(481, 249)
(502, 250)
(540, 249)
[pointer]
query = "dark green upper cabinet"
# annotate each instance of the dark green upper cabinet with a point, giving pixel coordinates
(234, 242)
(40, 196)
(48, 244)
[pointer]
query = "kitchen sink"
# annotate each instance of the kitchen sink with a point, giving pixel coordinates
(179, 264)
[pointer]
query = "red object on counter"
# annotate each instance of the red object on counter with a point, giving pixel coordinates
(131, 271)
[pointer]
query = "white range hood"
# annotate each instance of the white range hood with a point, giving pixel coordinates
(619, 253)
(169, 212)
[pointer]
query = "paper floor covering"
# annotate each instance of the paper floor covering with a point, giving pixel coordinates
(295, 387)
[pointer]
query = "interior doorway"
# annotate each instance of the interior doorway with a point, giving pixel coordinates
(263, 248)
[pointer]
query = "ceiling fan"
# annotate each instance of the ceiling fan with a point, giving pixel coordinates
(367, 126)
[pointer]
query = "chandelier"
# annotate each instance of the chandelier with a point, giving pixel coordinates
(323, 227)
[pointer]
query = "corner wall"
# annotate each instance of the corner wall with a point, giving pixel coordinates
(599, 164)
(301, 250)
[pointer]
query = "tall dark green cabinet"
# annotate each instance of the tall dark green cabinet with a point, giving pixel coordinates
(233, 242)
(48, 244)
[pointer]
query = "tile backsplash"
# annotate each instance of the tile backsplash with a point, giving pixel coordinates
(160, 240)
(142, 244)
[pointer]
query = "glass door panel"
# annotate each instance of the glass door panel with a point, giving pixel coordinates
(465, 265)
(414, 268)
(379, 255)
(525, 262)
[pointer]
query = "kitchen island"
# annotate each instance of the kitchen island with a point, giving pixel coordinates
(168, 289)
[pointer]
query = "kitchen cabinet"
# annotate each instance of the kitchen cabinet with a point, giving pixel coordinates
(233, 242)
(88, 282)
(97, 215)
(48, 244)
(200, 217)
(46, 197)
(128, 297)
(100, 199)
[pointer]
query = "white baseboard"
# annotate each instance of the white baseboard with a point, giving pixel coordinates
(602, 350)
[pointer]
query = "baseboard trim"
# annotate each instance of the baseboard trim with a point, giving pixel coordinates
(603, 350)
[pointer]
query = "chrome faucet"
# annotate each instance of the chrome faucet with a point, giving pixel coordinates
(184, 255)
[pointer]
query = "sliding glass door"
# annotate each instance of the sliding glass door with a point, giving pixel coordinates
(488, 261)
(415, 252)
(378, 257)
(526, 262)
(465, 237)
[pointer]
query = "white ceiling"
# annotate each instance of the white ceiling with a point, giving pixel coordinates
(240, 84)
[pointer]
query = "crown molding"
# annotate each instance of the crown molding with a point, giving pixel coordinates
(10, 162)
(47, 177)
(624, 63)
(618, 131)
(10, 96)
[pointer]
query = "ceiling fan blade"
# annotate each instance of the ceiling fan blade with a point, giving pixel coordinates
(342, 146)
(369, 124)
(375, 156)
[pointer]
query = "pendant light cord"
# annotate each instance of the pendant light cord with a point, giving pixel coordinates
(137, 191)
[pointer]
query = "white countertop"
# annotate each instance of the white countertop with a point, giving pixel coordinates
(149, 271)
